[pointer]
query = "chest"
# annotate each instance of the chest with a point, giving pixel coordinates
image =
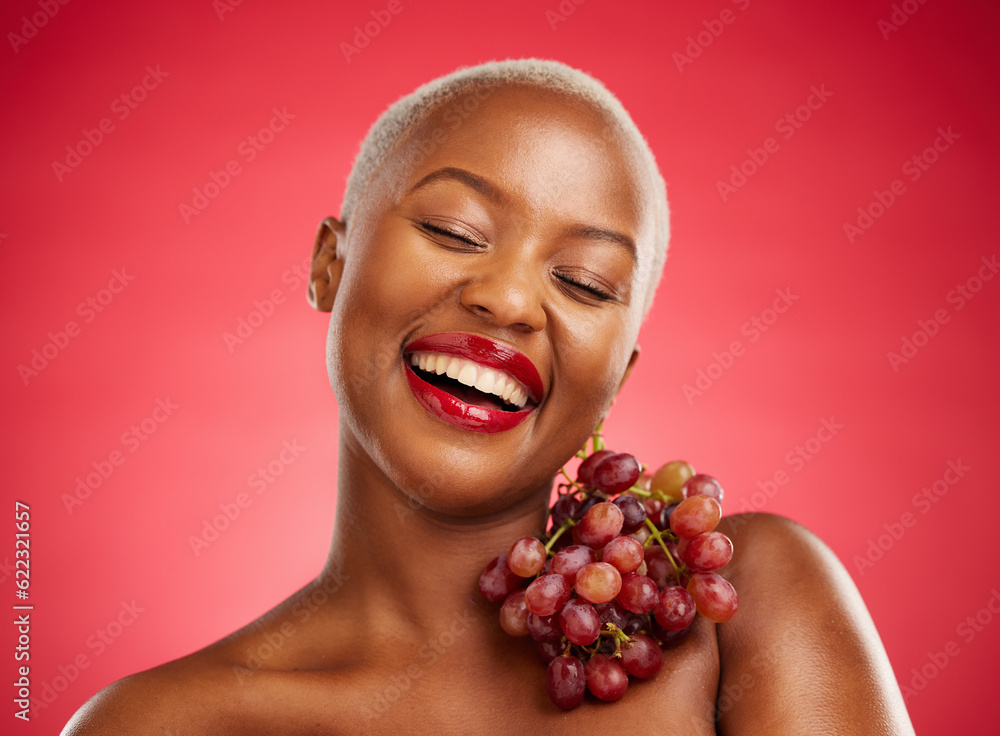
(447, 695)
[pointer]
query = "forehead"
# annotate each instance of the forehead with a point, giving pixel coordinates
(556, 155)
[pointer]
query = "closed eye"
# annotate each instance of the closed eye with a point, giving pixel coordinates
(586, 285)
(449, 234)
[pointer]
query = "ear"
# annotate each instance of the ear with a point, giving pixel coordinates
(628, 369)
(327, 264)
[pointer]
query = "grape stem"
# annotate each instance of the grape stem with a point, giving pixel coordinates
(571, 481)
(654, 533)
(597, 439)
(620, 638)
(559, 532)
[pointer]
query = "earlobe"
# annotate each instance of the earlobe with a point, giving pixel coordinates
(628, 369)
(327, 264)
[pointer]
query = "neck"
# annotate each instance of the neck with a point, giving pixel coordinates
(408, 566)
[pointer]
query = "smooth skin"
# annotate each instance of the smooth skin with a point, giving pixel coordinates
(521, 234)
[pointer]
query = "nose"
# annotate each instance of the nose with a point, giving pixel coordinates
(506, 292)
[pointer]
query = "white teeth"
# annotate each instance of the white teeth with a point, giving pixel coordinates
(487, 380)
(467, 375)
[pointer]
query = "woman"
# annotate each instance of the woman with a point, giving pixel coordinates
(501, 236)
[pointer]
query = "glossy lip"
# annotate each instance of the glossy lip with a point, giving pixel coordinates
(486, 352)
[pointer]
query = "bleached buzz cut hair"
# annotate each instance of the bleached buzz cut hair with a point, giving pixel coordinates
(409, 111)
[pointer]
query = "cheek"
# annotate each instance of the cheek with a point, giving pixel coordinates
(387, 290)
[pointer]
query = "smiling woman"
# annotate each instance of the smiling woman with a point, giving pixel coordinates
(502, 233)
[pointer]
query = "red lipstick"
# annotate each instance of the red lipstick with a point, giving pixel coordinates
(484, 352)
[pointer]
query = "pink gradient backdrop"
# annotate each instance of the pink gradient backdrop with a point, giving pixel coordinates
(162, 336)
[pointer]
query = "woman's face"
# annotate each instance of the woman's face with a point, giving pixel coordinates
(506, 243)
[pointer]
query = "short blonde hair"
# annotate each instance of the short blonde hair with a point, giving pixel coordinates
(408, 112)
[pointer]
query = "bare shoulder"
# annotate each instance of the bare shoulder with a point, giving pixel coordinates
(802, 653)
(238, 684)
(164, 700)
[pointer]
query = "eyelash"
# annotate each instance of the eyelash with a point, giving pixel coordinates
(448, 234)
(588, 286)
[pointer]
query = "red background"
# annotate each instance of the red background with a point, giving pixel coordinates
(162, 336)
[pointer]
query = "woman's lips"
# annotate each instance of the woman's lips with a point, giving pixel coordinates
(493, 359)
(486, 352)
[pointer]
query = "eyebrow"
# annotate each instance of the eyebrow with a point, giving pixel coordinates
(476, 183)
(494, 194)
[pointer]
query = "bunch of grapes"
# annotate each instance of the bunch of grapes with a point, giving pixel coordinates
(626, 564)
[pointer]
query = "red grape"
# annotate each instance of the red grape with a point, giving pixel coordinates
(602, 523)
(513, 614)
(658, 567)
(580, 622)
(633, 511)
(612, 612)
(653, 507)
(526, 557)
(670, 478)
(695, 515)
(617, 473)
(549, 650)
(564, 508)
(706, 552)
(703, 485)
(675, 610)
(567, 562)
(643, 657)
(624, 553)
(663, 518)
(713, 595)
(498, 580)
(585, 473)
(598, 582)
(544, 628)
(566, 682)
(606, 677)
(639, 594)
(547, 594)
